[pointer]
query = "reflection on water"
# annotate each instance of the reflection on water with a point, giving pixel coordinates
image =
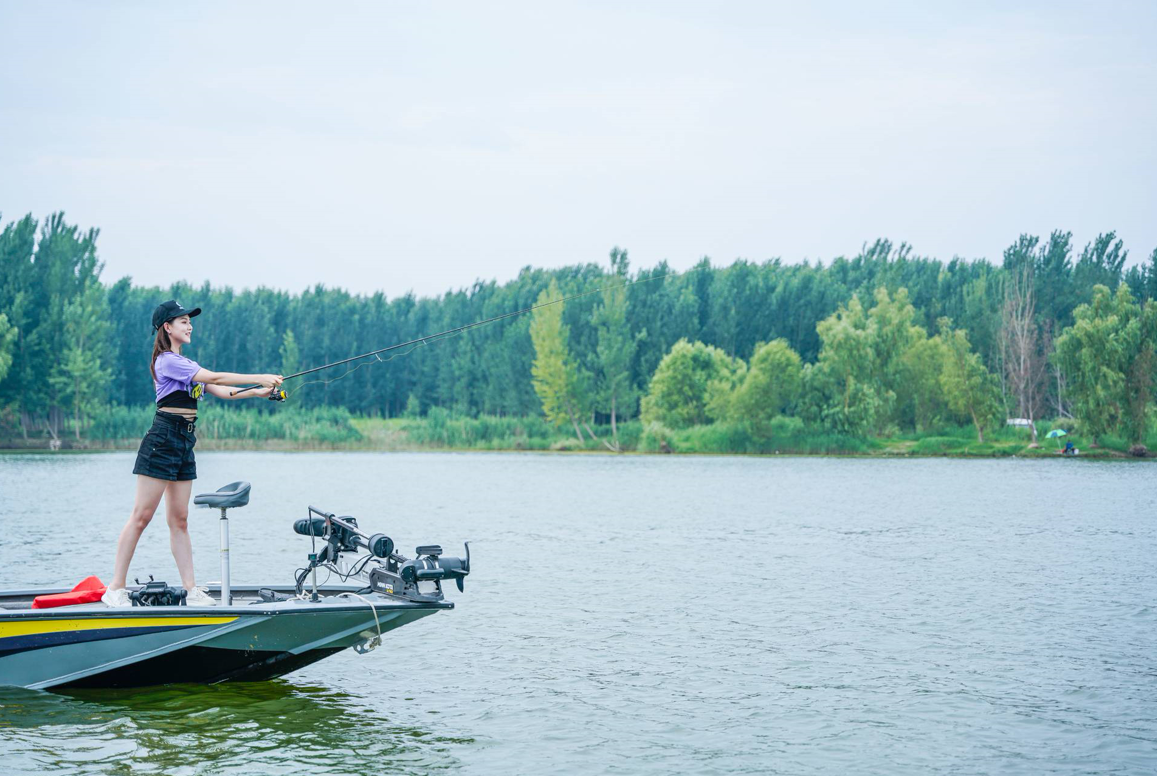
(197, 729)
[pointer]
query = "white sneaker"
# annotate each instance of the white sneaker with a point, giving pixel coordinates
(197, 596)
(117, 598)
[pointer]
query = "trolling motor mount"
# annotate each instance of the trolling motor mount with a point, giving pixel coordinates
(384, 570)
(342, 535)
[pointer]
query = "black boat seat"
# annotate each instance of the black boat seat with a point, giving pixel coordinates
(235, 494)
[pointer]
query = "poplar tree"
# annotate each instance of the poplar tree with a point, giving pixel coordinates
(553, 372)
(616, 346)
(80, 378)
(290, 353)
(1023, 345)
(8, 334)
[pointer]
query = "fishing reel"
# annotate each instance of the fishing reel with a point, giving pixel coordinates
(278, 394)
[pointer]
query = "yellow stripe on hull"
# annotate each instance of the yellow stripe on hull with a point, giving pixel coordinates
(97, 623)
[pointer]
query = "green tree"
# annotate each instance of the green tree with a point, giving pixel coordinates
(40, 273)
(8, 334)
(290, 354)
(1140, 368)
(1108, 358)
(969, 387)
(79, 379)
(1101, 262)
(853, 385)
(616, 346)
(921, 400)
(840, 387)
(771, 384)
(684, 383)
(1143, 278)
(1053, 274)
(555, 377)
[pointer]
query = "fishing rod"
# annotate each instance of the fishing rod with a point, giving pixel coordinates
(280, 395)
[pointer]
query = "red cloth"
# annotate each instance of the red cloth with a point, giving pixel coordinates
(88, 591)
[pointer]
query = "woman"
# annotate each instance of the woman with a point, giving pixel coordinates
(165, 464)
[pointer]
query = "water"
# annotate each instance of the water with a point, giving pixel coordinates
(646, 615)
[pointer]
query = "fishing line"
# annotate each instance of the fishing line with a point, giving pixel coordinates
(379, 360)
(414, 344)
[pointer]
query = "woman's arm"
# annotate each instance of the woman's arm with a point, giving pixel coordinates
(233, 378)
(223, 392)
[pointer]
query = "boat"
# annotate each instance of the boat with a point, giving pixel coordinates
(254, 633)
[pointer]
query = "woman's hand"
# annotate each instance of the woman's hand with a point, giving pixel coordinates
(269, 381)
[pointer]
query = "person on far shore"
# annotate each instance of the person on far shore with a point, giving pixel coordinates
(165, 465)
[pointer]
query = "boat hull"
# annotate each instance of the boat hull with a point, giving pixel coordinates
(95, 646)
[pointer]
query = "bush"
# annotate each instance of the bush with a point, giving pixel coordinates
(936, 445)
(786, 426)
(815, 441)
(116, 422)
(988, 450)
(568, 444)
(487, 432)
(788, 435)
(656, 438)
(630, 434)
(323, 424)
(719, 438)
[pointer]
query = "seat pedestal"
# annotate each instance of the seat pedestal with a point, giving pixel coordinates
(235, 494)
(226, 593)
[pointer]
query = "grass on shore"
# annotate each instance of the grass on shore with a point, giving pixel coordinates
(288, 428)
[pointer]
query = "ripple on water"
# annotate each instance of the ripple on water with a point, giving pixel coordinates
(650, 615)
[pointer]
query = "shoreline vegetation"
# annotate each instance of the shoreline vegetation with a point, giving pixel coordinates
(882, 353)
(329, 429)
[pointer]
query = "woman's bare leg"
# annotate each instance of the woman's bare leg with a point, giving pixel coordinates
(177, 513)
(149, 492)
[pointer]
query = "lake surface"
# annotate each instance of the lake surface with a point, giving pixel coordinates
(645, 615)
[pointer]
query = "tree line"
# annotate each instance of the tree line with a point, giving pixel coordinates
(885, 339)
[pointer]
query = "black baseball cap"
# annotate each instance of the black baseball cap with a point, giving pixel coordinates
(167, 311)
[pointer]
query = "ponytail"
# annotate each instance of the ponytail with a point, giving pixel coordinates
(160, 344)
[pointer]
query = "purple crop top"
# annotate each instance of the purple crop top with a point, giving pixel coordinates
(174, 373)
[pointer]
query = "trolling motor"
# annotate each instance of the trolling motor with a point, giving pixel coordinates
(386, 571)
(430, 566)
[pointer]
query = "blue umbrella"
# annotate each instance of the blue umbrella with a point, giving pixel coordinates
(1056, 433)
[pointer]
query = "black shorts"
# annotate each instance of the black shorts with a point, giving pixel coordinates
(166, 452)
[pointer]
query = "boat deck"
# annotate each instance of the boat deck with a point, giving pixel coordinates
(244, 595)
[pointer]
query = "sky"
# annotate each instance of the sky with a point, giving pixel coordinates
(420, 147)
